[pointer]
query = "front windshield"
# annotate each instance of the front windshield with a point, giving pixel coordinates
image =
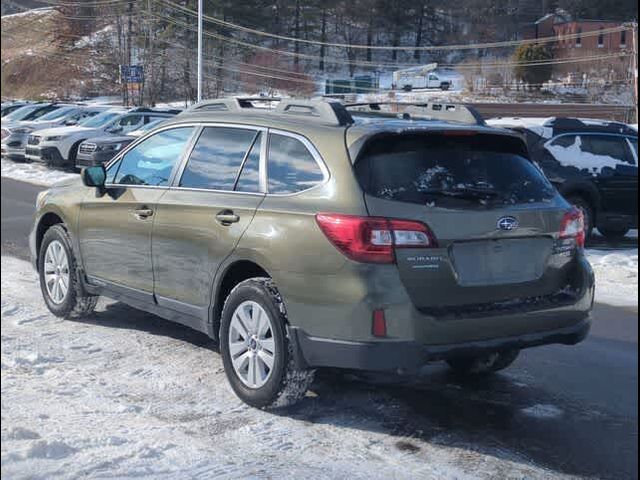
(100, 120)
(22, 112)
(56, 114)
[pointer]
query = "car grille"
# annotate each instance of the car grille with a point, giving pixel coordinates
(88, 148)
(5, 133)
(34, 152)
(34, 140)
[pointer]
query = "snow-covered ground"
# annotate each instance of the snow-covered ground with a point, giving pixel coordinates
(36, 173)
(123, 394)
(616, 276)
(34, 12)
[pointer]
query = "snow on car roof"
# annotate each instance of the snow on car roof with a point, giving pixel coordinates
(540, 125)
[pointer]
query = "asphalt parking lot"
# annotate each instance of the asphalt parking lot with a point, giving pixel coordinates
(573, 410)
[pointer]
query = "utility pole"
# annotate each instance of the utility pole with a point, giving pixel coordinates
(199, 50)
(129, 28)
(634, 73)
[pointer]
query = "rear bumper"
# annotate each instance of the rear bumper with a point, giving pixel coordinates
(431, 338)
(406, 357)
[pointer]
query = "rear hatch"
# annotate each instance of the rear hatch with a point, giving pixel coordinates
(495, 217)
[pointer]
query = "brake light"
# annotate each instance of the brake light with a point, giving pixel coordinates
(573, 227)
(379, 324)
(373, 239)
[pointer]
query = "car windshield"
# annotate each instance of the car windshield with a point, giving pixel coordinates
(474, 171)
(10, 109)
(22, 112)
(100, 120)
(56, 114)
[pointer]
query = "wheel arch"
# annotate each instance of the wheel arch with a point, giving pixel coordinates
(45, 222)
(587, 191)
(231, 275)
(73, 150)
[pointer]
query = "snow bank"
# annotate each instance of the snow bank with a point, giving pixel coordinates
(124, 394)
(34, 12)
(616, 276)
(35, 173)
(94, 38)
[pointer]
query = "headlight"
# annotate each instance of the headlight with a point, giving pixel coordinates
(55, 138)
(22, 130)
(42, 196)
(110, 147)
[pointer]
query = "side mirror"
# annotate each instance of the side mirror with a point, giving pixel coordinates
(115, 130)
(94, 176)
(71, 122)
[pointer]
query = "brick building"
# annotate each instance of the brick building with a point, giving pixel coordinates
(572, 45)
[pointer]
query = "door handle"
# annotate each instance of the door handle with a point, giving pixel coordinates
(227, 217)
(142, 213)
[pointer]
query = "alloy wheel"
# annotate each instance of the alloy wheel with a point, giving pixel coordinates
(251, 344)
(56, 272)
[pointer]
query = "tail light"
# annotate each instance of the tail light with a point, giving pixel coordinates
(573, 227)
(373, 239)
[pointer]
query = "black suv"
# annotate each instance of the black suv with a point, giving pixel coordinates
(593, 163)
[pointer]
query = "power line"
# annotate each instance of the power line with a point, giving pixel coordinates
(313, 57)
(478, 46)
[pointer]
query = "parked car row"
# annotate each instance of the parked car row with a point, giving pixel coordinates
(53, 133)
(594, 164)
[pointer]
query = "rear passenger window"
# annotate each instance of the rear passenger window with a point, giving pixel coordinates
(607, 147)
(249, 180)
(216, 158)
(291, 167)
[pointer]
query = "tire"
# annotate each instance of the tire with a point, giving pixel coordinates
(74, 302)
(587, 209)
(615, 234)
(73, 154)
(283, 384)
(485, 364)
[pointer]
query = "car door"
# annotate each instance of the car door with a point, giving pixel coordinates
(115, 227)
(617, 174)
(633, 145)
(201, 218)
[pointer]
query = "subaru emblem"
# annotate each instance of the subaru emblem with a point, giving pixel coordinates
(508, 224)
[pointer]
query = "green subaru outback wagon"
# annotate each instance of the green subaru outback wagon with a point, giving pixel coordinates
(316, 234)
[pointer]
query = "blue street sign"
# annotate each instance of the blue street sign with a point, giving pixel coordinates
(131, 73)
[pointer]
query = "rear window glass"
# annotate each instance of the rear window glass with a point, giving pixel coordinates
(476, 171)
(291, 166)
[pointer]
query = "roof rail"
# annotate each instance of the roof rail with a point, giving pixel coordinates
(449, 112)
(318, 109)
(326, 111)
